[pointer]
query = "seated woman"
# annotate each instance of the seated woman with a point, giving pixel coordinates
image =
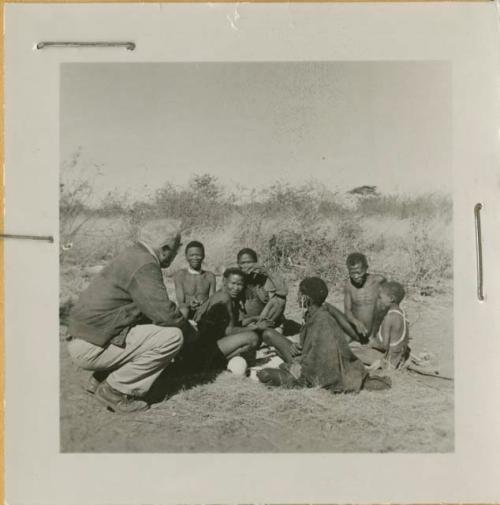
(264, 303)
(326, 361)
(219, 336)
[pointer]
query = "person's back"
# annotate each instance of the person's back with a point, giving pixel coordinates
(327, 360)
(393, 335)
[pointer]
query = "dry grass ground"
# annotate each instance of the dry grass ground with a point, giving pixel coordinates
(239, 415)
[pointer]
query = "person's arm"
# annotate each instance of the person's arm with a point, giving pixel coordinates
(232, 328)
(358, 325)
(179, 288)
(341, 319)
(180, 295)
(147, 290)
(212, 283)
(249, 320)
(347, 302)
(279, 286)
(275, 284)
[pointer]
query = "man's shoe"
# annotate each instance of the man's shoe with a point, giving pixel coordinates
(94, 380)
(119, 402)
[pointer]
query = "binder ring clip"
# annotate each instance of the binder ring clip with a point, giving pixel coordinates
(45, 238)
(479, 252)
(130, 46)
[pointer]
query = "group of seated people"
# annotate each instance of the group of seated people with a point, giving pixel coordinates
(251, 304)
(126, 329)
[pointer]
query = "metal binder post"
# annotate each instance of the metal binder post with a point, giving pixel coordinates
(479, 252)
(130, 46)
(46, 238)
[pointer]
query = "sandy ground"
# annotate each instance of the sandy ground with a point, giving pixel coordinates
(234, 414)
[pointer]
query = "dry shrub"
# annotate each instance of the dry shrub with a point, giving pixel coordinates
(428, 206)
(297, 230)
(73, 281)
(431, 261)
(308, 249)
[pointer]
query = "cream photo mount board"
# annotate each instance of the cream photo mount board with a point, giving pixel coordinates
(462, 37)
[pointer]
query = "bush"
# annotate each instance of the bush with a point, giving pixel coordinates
(403, 207)
(298, 230)
(431, 262)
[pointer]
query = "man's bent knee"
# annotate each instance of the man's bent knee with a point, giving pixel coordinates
(266, 336)
(84, 354)
(170, 339)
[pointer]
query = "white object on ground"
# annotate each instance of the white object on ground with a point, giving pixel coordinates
(274, 362)
(253, 373)
(238, 366)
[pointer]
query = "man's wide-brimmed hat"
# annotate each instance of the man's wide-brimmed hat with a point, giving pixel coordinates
(160, 232)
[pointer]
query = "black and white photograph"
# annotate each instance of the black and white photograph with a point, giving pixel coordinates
(256, 257)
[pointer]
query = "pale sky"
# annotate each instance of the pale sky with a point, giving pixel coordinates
(343, 124)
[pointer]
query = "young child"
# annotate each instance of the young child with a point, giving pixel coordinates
(393, 334)
(360, 296)
(193, 285)
(326, 361)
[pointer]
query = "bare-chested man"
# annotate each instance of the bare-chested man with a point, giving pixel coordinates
(193, 285)
(360, 295)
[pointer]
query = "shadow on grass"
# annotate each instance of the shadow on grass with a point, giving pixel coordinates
(291, 327)
(193, 369)
(176, 378)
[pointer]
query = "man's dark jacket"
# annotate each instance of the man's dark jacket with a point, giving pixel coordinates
(128, 292)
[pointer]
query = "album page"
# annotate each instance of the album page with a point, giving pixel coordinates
(264, 266)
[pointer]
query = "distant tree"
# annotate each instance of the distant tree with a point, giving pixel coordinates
(206, 186)
(364, 191)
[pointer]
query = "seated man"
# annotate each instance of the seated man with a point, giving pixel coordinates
(265, 292)
(124, 325)
(326, 361)
(264, 302)
(360, 296)
(193, 285)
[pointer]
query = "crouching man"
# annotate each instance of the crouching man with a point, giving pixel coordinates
(124, 327)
